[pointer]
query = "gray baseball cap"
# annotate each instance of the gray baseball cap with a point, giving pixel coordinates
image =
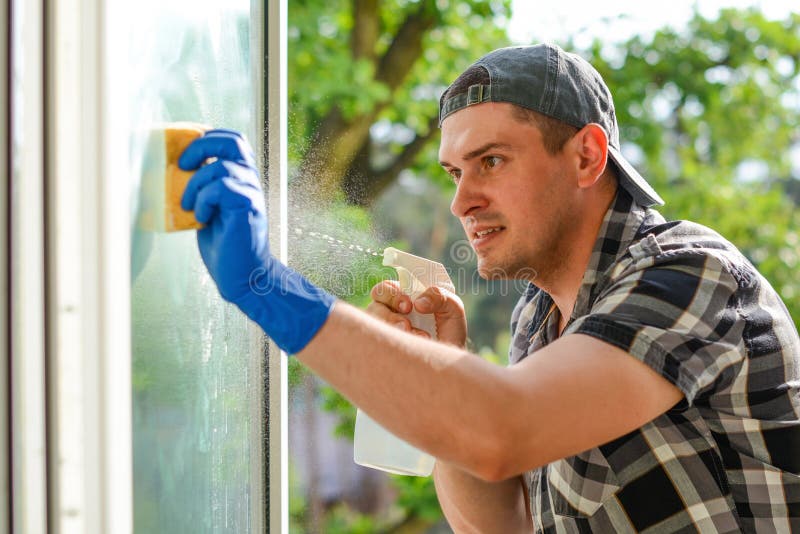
(561, 85)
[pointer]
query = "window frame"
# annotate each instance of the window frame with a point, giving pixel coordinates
(276, 170)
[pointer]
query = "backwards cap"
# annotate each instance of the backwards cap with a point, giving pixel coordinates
(546, 79)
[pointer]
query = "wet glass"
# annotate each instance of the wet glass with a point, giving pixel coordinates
(194, 381)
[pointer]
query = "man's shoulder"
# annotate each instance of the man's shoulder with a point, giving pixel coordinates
(683, 235)
(687, 245)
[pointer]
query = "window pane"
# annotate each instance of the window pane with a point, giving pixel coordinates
(193, 381)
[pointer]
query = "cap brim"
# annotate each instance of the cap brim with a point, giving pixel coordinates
(629, 178)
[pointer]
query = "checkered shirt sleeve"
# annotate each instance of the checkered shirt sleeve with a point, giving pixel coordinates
(676, 312)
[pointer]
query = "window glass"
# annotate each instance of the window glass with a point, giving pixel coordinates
(193, 378)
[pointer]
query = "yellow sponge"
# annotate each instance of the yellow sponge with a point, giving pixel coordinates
(177, 137)
(164, 182)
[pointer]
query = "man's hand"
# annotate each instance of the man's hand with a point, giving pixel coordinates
(390, 304)
(226, 196)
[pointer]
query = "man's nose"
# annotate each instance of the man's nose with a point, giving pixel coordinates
(467, 198)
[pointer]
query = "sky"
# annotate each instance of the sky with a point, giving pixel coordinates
(532, 22)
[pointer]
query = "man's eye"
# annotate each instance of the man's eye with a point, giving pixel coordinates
(455, 174)
(491, 161)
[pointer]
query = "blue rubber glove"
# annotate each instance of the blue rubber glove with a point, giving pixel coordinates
(227, 198)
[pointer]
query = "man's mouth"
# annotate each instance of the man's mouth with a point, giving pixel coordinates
(488, 231)
(484, 235)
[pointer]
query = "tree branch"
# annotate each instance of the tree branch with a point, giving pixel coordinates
(362, 185)
(338, 140)
(365, 29)
(406, 46)
(410, 152)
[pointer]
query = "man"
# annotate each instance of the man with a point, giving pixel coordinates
(654, 382)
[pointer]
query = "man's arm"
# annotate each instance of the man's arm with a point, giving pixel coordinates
(493, 422)
(472, 505)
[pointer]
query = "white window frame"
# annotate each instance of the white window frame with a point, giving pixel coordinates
(277, 165)
(87, 303)
(25, 264)
(5, 302)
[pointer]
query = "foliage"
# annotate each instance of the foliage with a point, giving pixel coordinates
(365, 80)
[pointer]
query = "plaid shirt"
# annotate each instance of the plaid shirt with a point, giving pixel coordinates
(684, 301)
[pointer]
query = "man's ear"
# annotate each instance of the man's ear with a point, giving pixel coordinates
(591, 145)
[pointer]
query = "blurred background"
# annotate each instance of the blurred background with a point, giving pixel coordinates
(707, 96)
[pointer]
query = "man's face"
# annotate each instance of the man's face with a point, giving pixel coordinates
(512, 197)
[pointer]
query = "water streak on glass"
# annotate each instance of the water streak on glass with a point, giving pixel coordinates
(188, 61)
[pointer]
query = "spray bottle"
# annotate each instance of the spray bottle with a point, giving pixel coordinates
(373, 445)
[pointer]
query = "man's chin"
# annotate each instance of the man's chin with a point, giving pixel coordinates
(489, 271)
